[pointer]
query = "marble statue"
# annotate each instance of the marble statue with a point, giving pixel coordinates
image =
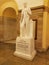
(25, 22)
(25, 42)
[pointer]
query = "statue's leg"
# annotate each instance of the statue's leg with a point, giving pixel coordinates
(22, 31)
(27, 28)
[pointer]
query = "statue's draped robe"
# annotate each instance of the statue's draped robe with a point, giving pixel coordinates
(25, 24)
(25, 43)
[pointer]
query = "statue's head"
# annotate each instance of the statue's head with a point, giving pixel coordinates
(25, 5)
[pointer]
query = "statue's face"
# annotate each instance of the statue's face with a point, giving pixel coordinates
(25, 5)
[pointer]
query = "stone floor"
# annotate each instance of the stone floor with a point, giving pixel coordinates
(7, 56)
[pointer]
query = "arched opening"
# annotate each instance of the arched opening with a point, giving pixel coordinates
(10, 23)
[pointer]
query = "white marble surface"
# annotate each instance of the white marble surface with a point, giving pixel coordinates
(25, 46)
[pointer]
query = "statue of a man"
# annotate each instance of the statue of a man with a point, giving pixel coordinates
(25, 21)
(25, 43)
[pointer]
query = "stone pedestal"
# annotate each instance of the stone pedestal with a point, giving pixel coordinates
(25, 48)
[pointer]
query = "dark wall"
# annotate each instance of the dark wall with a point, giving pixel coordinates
(8, 28)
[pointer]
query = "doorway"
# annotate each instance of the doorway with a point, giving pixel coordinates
(10, 23)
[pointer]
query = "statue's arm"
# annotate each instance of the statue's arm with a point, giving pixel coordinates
(29, 13)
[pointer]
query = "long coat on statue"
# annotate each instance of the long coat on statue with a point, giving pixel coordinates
(25, 24)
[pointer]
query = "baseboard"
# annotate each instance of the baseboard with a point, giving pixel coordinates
(25, 56)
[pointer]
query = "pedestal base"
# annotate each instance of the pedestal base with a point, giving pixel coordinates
(25, 48)
(25, 56)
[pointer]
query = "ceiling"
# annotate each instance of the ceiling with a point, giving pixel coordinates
(3, 1)
(31, 3)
